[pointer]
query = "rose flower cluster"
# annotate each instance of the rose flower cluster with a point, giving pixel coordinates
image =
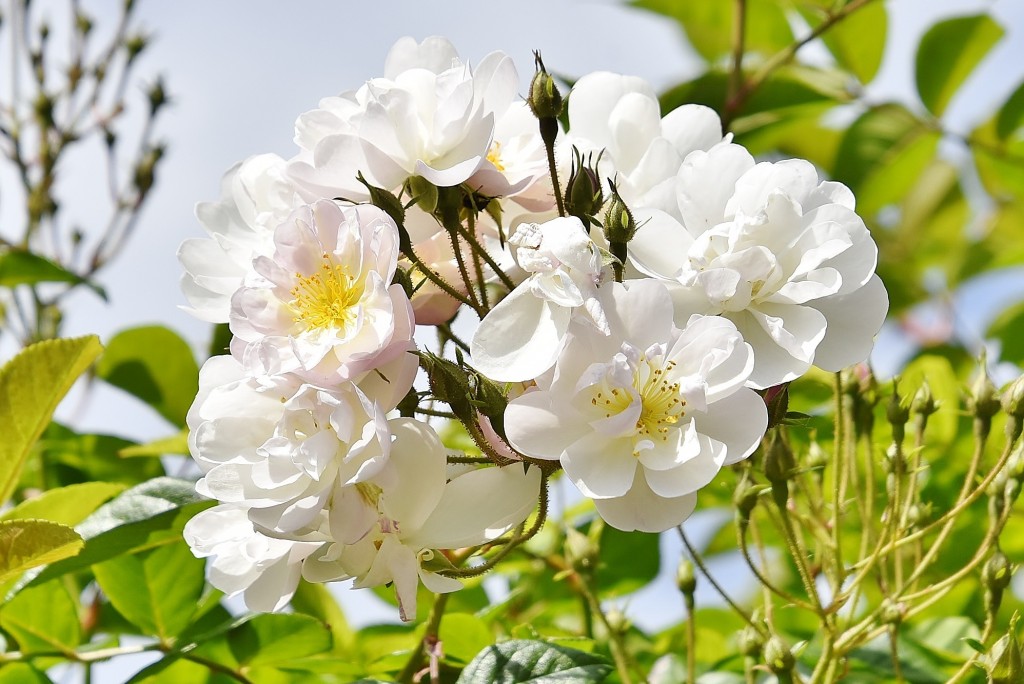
(633, 279)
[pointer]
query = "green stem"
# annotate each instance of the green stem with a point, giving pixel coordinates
(699, 562)
(419, 654)
(691, 640)
(478, 248)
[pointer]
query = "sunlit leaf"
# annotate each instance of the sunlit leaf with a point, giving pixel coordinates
(31, 386)
(708, 25)
(858, 41)
(1011, 115)
(874, 140)
(43, 619)
(18, 267)
(512, 662)
(26, 544)
(464, 636)
(1008, 328)
(66, 505)
(155, 365)
(146, 516)
(947, 55)
(175, 444)
(277, 639)
(22, 673)
(317, 601)
(155, 590)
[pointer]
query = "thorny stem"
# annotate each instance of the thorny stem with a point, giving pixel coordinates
(419, 654)
(839, 447)
(486, 256)
(699, 562)
(741, 537)
(442, 283)
(517, 540)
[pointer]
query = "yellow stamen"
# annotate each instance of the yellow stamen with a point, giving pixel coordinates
(325, 298)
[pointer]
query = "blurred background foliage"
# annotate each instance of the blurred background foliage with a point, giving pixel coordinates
(788, 77)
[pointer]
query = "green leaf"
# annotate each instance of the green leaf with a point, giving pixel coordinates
(946, 637)
(31, 386)
(18, 267)
(156, 590)
(858, 41)
(708, 25)
(155, 365)
(1008, 328)
(277, 639)
(945, 388)
(149, 515)
(874, 140)
(1011, 115)
(317, 601)
(628, 561)
(26, 544)
(513, 662)
(43, 619)
(947, 55)
(66, 505)
(66, 457)
(175, 444)
(463, 636)
(22, 673)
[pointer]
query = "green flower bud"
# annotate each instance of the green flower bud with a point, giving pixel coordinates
(896, 412)
(387, 202)
(617, 621)
(145, 171)
(619, 224)
(817, 459)
(157, 97)
(984, 399)
(544, 100)
(403, 278)
(745, 497)
(924, 403)
(1004, 662)
(1013, 398)
(584, 196)
(892, 613)
(686, 578)
(134, 45)
(580, 551)
(997, 573)
(43, 107)
(750, 642)
(779, 463)
(423, 192)
(83, 24)
(777, 656)
(777, 400)
(407, 407)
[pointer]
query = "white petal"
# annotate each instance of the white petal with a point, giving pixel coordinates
(659, 247)
(480, 506)
(599, 467)
(534, 427)
(853, 322)
(739, 421)
(643, 510)
(690, 475)
(520, 338)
